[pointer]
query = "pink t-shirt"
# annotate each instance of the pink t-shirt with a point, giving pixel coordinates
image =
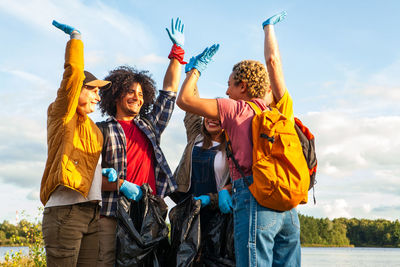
(236, 118)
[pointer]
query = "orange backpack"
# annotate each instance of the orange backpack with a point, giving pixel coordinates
(281, 177)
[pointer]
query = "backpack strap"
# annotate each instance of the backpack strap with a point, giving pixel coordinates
(254, 107)
(229, 154)
(258, 110)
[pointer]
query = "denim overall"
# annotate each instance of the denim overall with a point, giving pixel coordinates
(203, 176)
(203, 182)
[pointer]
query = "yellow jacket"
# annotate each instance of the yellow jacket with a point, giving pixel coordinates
(74, 141)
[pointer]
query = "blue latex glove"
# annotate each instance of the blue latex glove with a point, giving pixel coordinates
(131, 190)
(205, 200)
(205, 57)
(224, 201)
(275, 19)
(110, 173)
(64, 27)
(176, 34)
(190, 64)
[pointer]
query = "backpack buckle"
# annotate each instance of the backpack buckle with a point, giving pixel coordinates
(269, 138)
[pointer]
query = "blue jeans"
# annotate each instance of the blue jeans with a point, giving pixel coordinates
(263, 237)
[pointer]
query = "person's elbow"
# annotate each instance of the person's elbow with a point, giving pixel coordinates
(185, 103)
(181, 102)
(273, 61)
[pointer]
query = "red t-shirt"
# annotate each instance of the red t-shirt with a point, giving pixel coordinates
(139, 156)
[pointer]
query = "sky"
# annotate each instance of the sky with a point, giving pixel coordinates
(341, 62)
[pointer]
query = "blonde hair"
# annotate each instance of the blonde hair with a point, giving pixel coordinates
(254, 74)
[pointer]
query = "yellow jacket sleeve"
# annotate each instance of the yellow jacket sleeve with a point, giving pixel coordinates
(68, 94)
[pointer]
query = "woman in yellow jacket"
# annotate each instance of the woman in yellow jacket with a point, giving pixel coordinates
(71, 183)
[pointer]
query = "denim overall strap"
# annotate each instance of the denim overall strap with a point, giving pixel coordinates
(203, 176)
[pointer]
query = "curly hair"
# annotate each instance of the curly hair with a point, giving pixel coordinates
(254, 74)
(122, 79)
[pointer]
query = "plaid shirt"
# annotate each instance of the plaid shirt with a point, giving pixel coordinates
(114, 149)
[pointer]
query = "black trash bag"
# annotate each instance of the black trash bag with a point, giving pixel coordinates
(142, 233)
(209, 243)
(185, 232)
(217, 243)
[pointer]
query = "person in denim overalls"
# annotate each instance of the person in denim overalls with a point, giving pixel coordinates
(203, 170)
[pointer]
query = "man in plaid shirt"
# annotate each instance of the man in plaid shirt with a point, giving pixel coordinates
(131, 151)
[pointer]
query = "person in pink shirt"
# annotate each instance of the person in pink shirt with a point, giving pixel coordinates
(263, 237)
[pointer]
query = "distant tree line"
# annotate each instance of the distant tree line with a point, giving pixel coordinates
(349, 232)
(314, 232)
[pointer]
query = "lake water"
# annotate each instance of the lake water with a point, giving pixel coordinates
(360, 257)
(341, 257)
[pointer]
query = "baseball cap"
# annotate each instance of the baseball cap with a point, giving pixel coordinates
(91, 80)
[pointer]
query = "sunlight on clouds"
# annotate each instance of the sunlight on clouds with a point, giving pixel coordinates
(346, 143)
(33, 195)
(367, 208)
(22, 152)
(338, 208)
(385, 84)
(24, 174)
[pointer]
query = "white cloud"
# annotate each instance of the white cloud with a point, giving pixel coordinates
(385, 84)
(346, 143)
(22, 151)
(358, 148)
(338, 208)
(33, 195)
(366, 208)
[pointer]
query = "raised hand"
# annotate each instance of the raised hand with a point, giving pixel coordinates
(176, 34)
(110, 173)
(131, 190)
(204, 58)
(205, 200)
(275, 19)
(224, 201)
(64, 27)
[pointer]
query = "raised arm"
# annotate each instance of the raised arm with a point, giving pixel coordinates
(173, 74)
(188, 100)
(68, 94)
(272, 56)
